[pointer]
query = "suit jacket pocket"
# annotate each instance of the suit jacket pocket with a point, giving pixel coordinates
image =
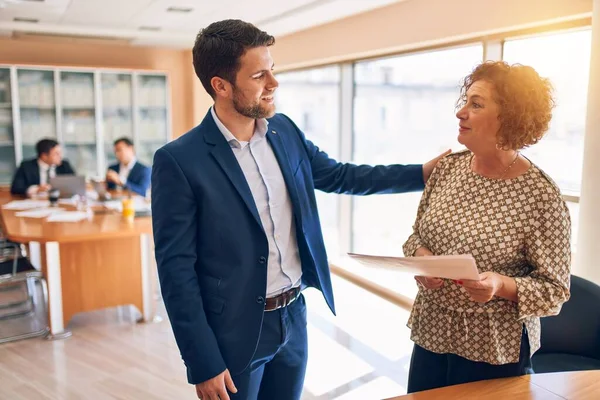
(213, 304)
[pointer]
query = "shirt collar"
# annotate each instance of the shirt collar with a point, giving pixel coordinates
(260, 128)
(131, 163)
(43, 165)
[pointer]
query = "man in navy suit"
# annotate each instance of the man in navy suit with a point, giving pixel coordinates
(128, 173)
(236, 226)
(33, 176)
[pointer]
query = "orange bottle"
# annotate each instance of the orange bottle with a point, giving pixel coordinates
(128, 208)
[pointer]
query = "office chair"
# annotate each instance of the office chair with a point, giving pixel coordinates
(570, 341)
(18, 274)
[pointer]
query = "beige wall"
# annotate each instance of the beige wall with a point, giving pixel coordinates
(416, 24)
(176, 63)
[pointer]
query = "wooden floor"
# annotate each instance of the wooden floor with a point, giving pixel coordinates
(109, 357)
(363, 353)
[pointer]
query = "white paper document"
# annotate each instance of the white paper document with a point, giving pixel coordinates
(450, 267)
(68, 216)
(139, 204)
(25, 204)
(39, 212)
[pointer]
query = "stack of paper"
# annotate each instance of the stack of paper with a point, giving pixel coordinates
(68, 216)
(26, 204)
(450, 267)
(39, 212)
(139, 204)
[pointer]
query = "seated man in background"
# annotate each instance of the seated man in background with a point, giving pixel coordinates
(128, 174)
(33, 176)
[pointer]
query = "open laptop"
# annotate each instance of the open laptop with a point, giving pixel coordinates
(68, 185)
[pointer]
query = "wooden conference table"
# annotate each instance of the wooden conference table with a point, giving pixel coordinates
(89, 265)
(581, 385)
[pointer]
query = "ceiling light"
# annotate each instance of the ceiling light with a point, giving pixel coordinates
(180, 9)
(149, 28)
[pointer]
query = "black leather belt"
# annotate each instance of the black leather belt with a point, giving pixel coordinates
(283, 300)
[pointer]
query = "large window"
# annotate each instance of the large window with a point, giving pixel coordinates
(311, 98)
(564, 58)
(404, 112)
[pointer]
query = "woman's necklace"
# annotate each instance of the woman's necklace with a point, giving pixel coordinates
(505, 169)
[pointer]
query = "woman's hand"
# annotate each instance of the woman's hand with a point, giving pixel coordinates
(490, 284)
(427, 282)
(422, 251)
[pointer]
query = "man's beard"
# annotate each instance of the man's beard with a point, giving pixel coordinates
(255, 111)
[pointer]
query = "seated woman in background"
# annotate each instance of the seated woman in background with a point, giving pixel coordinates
(493, 203)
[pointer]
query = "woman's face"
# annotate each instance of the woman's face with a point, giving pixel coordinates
(478, 118)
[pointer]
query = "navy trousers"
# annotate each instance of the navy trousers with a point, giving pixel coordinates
(429, 370)
(278, 367)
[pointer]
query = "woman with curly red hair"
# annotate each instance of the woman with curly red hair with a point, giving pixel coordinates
(493, 203)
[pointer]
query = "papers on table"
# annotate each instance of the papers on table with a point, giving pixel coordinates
(55, 214)
(69, 202)
(26, 204)
(39, 212)
(455, 267)
(139, 204)
(68, 216)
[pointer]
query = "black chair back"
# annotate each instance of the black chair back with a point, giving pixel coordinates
(576, 330)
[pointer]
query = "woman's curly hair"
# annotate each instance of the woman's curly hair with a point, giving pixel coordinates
(525, 101)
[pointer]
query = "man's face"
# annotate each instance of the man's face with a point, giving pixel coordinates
(255, 84)
(124, 152)
(53, 157)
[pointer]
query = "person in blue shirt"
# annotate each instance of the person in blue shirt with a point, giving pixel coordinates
(128, 173)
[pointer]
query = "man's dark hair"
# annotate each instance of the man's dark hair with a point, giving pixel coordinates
(44, 146)
(219, 47)
(125, 140)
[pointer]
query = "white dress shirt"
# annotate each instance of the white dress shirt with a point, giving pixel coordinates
(43, 168)
(263, 174)
(125, 169)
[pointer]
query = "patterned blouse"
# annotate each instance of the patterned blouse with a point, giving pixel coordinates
(516, 227)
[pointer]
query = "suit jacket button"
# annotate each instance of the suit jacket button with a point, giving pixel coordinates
(260, 300)
(262, 260)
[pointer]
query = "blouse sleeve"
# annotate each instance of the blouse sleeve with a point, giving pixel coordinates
(548, 251)
(414, 240)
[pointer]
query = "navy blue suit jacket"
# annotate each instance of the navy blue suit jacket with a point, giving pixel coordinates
(210, 245)
(28, 174)
(138, 179)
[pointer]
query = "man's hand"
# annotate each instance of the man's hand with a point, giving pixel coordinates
(113, 177)
(216, 388)
(43, 188)
(427, 282)
(430, 165)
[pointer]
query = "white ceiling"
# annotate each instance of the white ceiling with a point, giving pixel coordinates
(126, 19)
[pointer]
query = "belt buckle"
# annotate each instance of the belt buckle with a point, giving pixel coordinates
(287, 298)
(290, 300)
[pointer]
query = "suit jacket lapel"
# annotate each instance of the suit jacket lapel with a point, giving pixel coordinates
(134, 171)
(35, 173)
(286, 169)
(226, 159)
